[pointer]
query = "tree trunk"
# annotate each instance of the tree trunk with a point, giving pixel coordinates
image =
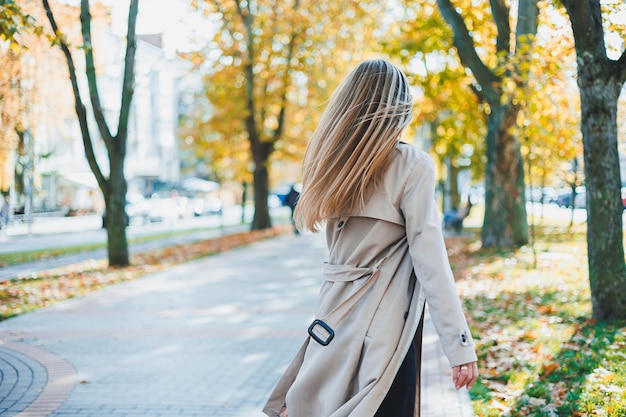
(113, 188)
(505, 224)
(600, 80)
(455, 196)
(599, 92)
(116, 217)
(261, 219)
(261, 152)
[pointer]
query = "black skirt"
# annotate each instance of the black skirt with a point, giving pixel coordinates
(400, 400)
(404, 394)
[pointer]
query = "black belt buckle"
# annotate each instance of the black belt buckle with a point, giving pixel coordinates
(327, 333)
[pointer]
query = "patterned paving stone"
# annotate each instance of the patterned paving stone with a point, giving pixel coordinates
(37, 381)
(21, 381)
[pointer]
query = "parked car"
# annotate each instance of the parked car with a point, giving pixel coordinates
(278, 195)
(137, 209)
(163, 209)
(207, 206)
(538, 194)
(564, 198)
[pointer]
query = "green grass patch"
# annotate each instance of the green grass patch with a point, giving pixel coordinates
(16, 258)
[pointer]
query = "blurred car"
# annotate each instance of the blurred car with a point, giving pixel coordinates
(278, 195)
(274, 201)
(207, 206)
(538, 194)
(564, 198)
(163, 209)
(137, 209)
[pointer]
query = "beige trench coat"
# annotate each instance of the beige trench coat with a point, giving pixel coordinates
(384, 262)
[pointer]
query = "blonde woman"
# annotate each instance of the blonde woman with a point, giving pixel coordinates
(387, 257)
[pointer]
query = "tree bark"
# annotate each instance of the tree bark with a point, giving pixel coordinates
(455, 196)
(607, 271)
(116, 217)
(600, 80)
(505, 223)
(261, 219)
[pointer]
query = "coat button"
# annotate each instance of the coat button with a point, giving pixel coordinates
(340, 224)
(464, 338)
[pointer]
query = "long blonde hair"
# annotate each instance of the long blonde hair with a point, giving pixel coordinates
(352, 144)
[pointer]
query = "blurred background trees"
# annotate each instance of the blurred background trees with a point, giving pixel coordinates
(266, 73)
(9, 115)
(15, 24)
(449, 124)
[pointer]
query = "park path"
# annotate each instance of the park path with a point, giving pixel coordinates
(206, 338)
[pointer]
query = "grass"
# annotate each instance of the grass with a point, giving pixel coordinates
(539, 353)
(16, 258)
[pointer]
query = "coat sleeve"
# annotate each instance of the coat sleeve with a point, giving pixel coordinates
(430, 262)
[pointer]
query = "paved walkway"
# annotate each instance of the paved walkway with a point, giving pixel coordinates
(207, 338)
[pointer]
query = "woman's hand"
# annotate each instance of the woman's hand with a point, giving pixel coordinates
(283, 412)
(465, 375)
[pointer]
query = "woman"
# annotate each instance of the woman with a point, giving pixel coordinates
(387, 258)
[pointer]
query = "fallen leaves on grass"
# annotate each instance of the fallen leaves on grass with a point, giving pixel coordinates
(539, 354)
(42, 289)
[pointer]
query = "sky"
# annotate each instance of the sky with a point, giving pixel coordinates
(181, 25)
(174, 18)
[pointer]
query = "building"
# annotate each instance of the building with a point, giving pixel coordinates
(66, 183)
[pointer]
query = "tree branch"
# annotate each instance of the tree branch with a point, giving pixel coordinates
(283, 100)
(526, 25)
(478, 93)
(467, 50)
(248, 68)
(90, 71)
(81, 111)
(264, 88)
(128, 80)
(524, 37)
(500, 12)
(586, 19)
(621, 67)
